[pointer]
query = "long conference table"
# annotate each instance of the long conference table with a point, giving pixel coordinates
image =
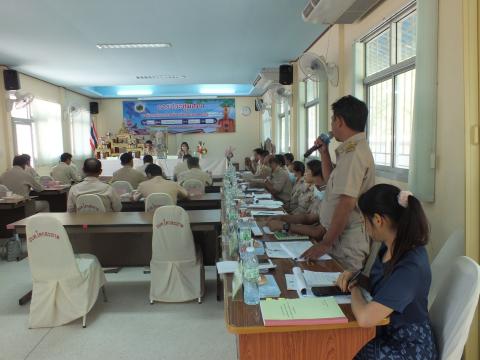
(214, 165)
(123, 238)
(256, 341)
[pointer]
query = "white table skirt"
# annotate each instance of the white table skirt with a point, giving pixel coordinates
(215, 165)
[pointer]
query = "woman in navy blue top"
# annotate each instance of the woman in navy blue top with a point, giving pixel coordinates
(399, 280)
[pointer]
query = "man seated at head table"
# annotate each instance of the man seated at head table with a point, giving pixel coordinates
(181, 166)
(92, 185)
(147, 160)
(156, 183)
(340, 228)
(279, 184)
(20, 182)
(64, 171)
(127, 172)
(252, 163)
(194, 172)
(149, 149)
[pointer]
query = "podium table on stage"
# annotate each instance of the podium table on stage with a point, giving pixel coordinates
(215, 165)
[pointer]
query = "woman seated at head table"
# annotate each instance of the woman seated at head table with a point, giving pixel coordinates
(399, 280)
(184, 150)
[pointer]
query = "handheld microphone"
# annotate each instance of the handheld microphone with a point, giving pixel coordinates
(326, 140)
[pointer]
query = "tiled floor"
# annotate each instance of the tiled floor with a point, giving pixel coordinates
(126, 327)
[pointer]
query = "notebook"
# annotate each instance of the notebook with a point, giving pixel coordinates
(302, 311)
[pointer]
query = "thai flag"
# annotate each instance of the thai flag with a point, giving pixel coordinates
(93, 136)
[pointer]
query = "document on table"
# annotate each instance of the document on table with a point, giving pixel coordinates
(267, 212)
(262, 196)
(225, 267)
(304, 311)
(290, 250)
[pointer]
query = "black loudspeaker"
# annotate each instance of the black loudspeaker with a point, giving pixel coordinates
(285, 74)
(258, 104)
(10, 79)
(94, 107)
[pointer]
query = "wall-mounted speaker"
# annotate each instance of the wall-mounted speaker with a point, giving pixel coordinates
(258, 104)
(285, 74)
(94, 107)
(11, 80)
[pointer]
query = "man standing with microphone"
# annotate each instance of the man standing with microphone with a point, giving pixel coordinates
(340, 228)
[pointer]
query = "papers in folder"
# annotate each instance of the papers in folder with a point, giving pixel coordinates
(267, 212)
(290, 250)
(304, 311)
(302, 281)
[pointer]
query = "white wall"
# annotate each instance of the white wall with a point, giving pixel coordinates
(244, 139)
(447, 213)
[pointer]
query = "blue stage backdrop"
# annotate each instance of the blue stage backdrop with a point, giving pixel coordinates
(181, 116)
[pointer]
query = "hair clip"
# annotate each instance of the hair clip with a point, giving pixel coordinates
(403, 198)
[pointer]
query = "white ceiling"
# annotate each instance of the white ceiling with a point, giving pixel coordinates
(214, 41)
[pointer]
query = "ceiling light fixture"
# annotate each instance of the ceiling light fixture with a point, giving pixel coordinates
(134, 46)
(217, 91)
(134, 92)
(151, 77)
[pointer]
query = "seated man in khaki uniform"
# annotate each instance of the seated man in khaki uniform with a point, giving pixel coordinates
(181, 167)
(18, 180)
(147, 160)
(92, 185)
(263, 167)
(279, 184)
(157, 184)
(341, 229)
(127, 172)
(64, 172)
(252, 163)
(194, 172)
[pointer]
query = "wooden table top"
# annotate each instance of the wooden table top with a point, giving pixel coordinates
(194, 198)
(128, 221)
(51, 191)
(12, 203)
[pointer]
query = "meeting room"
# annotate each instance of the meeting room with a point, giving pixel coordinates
(270, 180)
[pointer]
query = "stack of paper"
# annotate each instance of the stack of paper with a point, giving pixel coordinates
(302, 281)
(267, 212)
(270, 289)
(290, 250)
(305, 311)
(262, 196)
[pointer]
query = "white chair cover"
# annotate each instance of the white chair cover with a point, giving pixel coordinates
(176, 267)
(452, 311)
(3, 188)
(89, 203)
(156, 200)
(122, 187)
(194, 186)
(443, 262)
(65, 287)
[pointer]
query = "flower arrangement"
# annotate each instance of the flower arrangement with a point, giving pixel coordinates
(229, 153)
(201, 148)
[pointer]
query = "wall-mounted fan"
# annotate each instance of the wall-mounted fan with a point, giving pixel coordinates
(281, 93)
(316, 68)
(18, 100)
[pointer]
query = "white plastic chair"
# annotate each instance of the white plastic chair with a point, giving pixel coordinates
(177, 272)
(122, 187)
(89, 203)
(441, 265)
(156, 200)
(45, 179)
(453, 309)
(194, 186)
(3, 189)
(65, 286)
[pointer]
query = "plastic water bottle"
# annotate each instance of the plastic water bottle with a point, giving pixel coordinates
(244, 237)
(251, 295)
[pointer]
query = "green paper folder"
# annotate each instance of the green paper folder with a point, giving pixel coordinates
(302, 311)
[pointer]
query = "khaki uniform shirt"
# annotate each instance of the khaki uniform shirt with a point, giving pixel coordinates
(263, 171)
(65, 173)
(32, 172)
(152, 152)
(195, 173)
(353, 175)
(179, 168)
(305, 199)
(282, 185)
(92, 185)
(127, 173)
(142, 168)
(19, 181)
(160, 185)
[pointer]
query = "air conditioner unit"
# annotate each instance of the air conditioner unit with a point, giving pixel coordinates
(336, 12)
(264, 79)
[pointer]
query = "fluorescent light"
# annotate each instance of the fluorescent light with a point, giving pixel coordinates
(150, 77)
(216, 91)
(138, 92)
(134, 46)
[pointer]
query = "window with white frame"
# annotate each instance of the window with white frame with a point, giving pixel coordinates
(80, 133)
(311, 111)
(283, 111)
(266, 125)
(37, 131)
(390, 88)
